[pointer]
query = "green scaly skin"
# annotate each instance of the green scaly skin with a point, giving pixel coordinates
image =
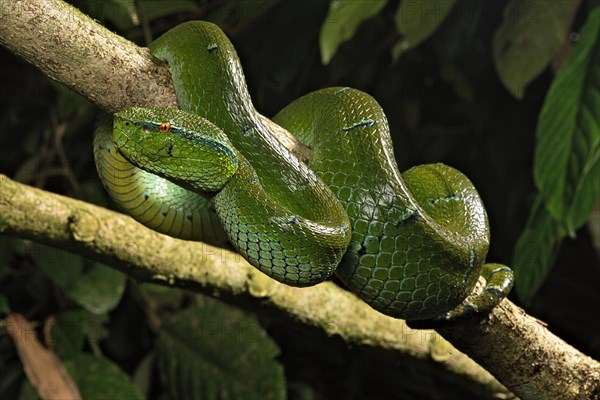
(417, 241)
(152, 200)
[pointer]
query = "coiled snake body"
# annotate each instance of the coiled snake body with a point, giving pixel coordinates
(412, 246)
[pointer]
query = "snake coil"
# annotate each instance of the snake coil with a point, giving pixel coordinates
(411, 245)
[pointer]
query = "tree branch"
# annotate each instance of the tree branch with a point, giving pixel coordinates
(81, 54)
(123, 243)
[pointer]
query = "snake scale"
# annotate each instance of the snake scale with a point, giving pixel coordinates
(411, 245)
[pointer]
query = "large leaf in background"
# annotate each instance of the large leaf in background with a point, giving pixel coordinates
(535, 251)
(567, 167)
(63, 267)
(68, 333)
(96, 378)
(342, 20)
(528, 38)
(567, 156)
(215, 351)
(122, 13)
(99, 378)
(98, 290)
(416, 20)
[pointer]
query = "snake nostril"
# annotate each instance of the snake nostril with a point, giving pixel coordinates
(212, 48)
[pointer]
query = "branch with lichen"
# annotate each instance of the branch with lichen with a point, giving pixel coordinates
(123, 243)
(71, 48)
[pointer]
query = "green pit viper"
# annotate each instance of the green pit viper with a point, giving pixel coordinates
(412, 246)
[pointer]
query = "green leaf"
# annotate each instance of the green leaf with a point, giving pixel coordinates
(96, 330)
(144, 374)
(535, 251)
(99, 378)
(215, 351)
(63, 267)
(99, 290)
(529, 37)
(122, 13)
(566, 165)
(342, 20)
(416, 20)
(68, 333)
(28, 170)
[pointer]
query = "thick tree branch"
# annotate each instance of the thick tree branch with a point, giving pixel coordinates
(72, 49)
(121, 242)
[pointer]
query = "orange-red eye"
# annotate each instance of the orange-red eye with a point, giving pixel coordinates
(165, 127)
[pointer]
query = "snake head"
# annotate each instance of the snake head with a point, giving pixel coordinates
(181, 147)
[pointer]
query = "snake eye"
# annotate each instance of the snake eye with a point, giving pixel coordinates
(165, 127)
